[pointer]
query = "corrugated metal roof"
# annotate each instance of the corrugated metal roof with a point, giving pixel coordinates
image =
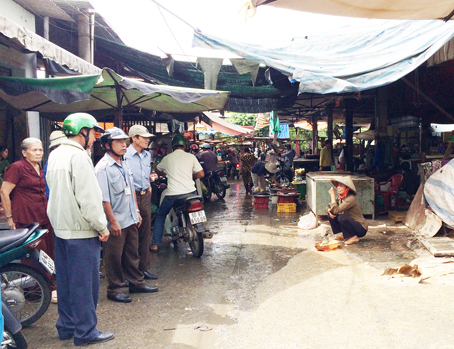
(45, 8)
(72, 7)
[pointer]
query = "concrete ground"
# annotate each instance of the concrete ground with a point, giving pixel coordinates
(262, 284)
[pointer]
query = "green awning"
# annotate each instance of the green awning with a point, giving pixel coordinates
(108, 92)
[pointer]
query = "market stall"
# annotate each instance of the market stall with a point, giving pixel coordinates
(318, 184)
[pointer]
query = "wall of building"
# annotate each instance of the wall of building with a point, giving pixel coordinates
(16, 13)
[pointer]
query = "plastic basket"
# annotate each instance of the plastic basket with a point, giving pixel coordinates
(286, 207)
(261, 201)
(286, 199)
(331, 245)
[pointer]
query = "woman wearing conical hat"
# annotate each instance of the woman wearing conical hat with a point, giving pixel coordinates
(344, 213)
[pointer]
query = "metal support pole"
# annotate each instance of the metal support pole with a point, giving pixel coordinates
(314, 135)
(83, 29)
(349, 133)
(329, 112)
(46, 28)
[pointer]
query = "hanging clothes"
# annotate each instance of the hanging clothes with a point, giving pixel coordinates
(274, 123)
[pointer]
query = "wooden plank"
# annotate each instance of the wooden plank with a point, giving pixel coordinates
(439, 247)
(397, 216)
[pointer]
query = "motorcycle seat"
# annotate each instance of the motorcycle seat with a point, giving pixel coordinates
(180, 202)
(13, 238)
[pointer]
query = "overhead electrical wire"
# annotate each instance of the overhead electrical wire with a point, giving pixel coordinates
(181, 19)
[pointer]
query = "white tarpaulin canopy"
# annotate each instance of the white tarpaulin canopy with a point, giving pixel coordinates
(356, 57)
(385, 9)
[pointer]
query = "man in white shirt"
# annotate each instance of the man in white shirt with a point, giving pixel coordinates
(181, 169)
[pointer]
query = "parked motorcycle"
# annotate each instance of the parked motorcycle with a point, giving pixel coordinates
(284, 175)
(185, 220)
(12, 330)
(215, 182)
(25, 273)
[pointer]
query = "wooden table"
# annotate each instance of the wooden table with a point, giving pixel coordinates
(318, 184)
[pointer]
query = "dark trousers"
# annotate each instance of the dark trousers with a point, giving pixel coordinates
(77, 266)
(144, 204)
(121, 258)
(347, 226)
(164, 209)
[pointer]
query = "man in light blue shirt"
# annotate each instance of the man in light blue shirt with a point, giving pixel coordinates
(119, 200)
(139, 161)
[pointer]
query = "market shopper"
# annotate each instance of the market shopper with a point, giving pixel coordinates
(23, 193)
(208, 159)
(77, 216)
(181, 169)
(232, 156)
(121, 253)
(139, 161)
(55, 139)
(3, 162)
(258, 172)
(247, 160)
(344, 214)
(326, 159)
(288, 155)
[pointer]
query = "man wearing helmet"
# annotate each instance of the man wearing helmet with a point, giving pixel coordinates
(180, 168)
(139, 161)
(194, 149)
(209, 158)
(119, 200)
(76, 213)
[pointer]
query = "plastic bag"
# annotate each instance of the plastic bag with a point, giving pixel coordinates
(342, 159)
(204, 188)
(307, 222)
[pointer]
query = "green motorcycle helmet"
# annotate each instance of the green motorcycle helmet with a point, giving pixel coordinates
(179, 141)
(77, 121)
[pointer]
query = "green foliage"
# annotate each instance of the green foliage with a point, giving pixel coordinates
(241, 119)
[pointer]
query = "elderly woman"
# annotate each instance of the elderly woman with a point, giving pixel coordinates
(344, 214)
(23, 196)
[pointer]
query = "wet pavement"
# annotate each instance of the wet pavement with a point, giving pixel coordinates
(262, 284)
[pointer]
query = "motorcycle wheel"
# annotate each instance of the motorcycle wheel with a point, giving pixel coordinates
(207, 195)
(26, 292)
(11, 341)
(219, 189)
(196, 243)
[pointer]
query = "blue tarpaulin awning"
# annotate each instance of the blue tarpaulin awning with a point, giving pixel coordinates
(355, 58)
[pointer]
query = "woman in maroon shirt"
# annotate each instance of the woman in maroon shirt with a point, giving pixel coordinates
(23, 192)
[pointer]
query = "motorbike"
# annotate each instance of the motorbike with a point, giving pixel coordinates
(25, 273)
(185, 221)
(234, 171)
(215, 182)
(12, 330)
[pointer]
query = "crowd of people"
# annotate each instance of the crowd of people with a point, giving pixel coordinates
(105, 210)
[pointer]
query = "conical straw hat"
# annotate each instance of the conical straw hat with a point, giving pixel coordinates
(346, 180)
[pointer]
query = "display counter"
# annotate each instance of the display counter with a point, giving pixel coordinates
(319, 183)
(310, 165)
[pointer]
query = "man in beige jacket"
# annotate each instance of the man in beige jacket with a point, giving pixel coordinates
(76, 213)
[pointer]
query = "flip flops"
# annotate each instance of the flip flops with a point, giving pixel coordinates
(339, 237)
(352, 240)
